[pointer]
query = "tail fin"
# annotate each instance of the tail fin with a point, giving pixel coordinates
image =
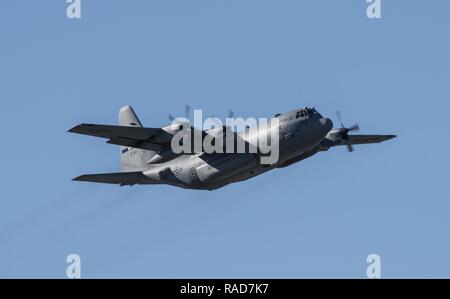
(132, 159)
(127, 117)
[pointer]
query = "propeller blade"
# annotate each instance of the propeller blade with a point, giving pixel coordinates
(344, 131)
(349, 147)
(171, 117)
(230, 114)
(355, 127)
(338, 114)
(187, 111)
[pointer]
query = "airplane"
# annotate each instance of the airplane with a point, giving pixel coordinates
(147, 157)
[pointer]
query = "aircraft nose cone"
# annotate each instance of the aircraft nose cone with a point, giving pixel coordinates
(326, 123)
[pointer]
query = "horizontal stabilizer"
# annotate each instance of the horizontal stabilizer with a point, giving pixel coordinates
(122, 178)
(145, 138)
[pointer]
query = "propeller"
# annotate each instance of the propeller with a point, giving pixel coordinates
(187, 113)
(344, 131)
(229, 115)
(188, 110)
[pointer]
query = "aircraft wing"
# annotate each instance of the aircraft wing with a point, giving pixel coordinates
(365, 139)
(121, 178)
(356, 139)
(153, 139)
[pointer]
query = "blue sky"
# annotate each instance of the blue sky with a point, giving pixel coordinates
(319, 218)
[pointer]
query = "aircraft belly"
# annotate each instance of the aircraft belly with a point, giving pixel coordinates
(225, 166)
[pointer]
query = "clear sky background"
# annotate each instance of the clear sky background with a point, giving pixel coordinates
(318, 218)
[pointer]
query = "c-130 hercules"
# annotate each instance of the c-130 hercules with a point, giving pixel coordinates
(147, 156)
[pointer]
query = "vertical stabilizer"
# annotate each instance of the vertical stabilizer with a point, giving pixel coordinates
(127, 117)
(132, 159)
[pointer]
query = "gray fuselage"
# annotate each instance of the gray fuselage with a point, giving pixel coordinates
(300, 133)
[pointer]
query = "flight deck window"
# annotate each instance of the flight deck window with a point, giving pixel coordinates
(300, 114)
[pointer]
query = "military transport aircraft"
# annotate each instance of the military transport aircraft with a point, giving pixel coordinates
(147, 156)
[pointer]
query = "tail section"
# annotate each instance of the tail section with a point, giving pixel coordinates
(127, 117)
(132, 159)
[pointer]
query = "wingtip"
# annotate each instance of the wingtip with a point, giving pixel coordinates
(79, 128)
(73, 129)
(78, 178)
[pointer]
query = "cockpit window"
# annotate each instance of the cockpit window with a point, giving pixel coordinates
(301, 113)
(311, 110)
(306, 112)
